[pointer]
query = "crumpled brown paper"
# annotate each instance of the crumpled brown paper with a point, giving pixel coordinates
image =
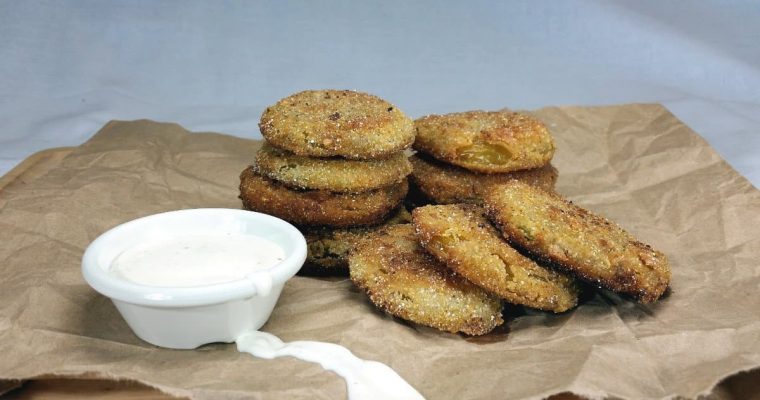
(636, 164)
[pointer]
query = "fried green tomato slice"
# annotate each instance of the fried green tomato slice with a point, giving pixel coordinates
(327, 248)
(327, 123)
(485, 141)
(586, 245)
(318, 207)
(334, 174)
(448, 184)
(403, 280)
(460, 236)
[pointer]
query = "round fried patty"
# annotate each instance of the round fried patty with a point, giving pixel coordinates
(460, 236)
(447, 184)
(325, 123)
(586, 245)
(318, 207)
(334, 174)
(485, 141)
(327, 248)
(403, 280)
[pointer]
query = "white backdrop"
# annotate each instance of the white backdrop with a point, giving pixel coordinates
(66, 68)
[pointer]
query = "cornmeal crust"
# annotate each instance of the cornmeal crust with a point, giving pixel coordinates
(485, 141)
(448, 184)
(334, 174)
(403, 280)
(460, 236)
(326, 123)
(585, 245)
(318, 207)
(328, 247)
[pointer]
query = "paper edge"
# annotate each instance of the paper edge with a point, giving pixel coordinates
(97, 375)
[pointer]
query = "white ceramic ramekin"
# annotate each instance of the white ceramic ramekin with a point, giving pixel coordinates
(187, 317)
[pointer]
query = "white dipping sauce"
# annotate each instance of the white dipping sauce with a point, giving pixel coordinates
(365, 380)
(196, 260)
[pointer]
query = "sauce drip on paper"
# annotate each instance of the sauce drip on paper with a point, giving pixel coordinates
(365, 380)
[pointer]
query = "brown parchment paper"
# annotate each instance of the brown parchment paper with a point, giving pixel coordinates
(636, 164)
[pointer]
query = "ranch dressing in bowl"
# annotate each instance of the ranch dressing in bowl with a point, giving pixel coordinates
(196, 260)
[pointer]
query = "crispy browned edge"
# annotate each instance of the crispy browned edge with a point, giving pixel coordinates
(583, 220)
(318, 207)
(381, 251)
(335, 174)
(539, 287)
(328, 247)
(448, 184)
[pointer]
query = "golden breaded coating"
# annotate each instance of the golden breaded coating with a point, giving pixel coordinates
(448, 184)
(318, 207)
(485, 141)
(327, 248)
(460, 236)
(334, 174)
(587, 245)
(326, 123)
(403, 280)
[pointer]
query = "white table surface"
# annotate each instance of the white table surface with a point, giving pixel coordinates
(66, 67)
